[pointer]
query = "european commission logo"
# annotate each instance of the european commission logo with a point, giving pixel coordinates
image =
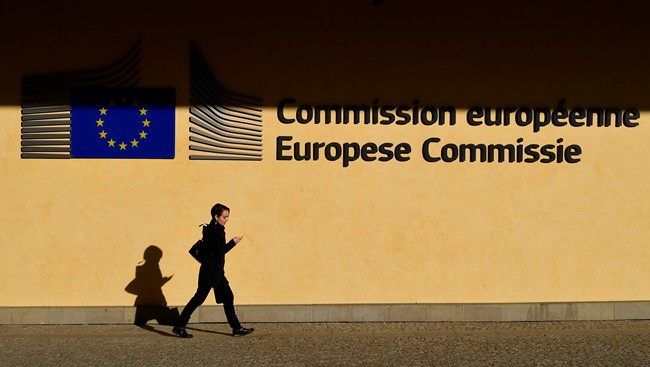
(100, 113)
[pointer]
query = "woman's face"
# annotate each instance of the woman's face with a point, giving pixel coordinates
(223, 218)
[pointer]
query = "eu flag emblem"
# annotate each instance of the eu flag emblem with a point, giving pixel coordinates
(122, 123)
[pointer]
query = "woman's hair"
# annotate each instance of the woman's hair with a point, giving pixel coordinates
(217, 209)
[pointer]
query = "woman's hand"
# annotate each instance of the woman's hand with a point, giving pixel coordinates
(238, 239)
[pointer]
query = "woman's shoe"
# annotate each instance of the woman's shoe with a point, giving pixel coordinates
(180, 331)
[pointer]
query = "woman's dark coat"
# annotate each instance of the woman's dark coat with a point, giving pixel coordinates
(212, 268)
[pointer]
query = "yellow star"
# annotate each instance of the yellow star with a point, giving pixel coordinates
(111, 143)
(134, 143)
(122, 146)
(143, 111)
(143, 135)
(102, 111)
(103, 134)
(100, 122)
(146, 122)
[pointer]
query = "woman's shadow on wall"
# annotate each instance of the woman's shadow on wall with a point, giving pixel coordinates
(150, 302)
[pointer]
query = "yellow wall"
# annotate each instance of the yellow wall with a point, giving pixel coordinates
(315, 232)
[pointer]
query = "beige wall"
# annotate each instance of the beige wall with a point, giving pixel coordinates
(315, 232)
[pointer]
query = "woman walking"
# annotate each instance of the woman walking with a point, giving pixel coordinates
(212, 276)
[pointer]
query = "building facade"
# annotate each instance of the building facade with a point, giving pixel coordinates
(383, 160)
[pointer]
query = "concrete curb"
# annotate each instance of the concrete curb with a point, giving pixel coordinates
(495, 312)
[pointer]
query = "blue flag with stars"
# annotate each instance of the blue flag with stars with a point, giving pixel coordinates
(122, 123)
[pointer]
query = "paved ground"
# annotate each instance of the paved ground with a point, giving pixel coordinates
(612, 343)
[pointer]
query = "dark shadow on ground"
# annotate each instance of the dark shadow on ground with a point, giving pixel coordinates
(208, 331)
(154, 330)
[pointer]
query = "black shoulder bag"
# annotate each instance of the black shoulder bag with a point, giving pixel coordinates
(199, 249)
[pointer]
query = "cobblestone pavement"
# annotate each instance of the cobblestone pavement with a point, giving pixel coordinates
(611, 343)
